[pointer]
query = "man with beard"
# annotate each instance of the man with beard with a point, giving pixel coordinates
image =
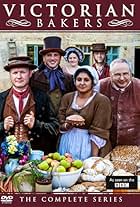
(99, 56)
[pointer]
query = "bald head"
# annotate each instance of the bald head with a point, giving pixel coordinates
(120, 72)
(120, 60)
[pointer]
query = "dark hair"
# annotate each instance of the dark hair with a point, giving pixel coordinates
(78, 71)
(75, 54)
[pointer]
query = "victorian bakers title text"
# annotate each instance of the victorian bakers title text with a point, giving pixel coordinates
(65, 16)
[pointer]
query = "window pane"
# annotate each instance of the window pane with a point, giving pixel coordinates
(86, 60)
(113, 53)
(33, 53)
(115, 49)
(30, 51)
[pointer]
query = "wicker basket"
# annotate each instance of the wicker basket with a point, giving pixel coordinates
(125, 157)
(128, 166)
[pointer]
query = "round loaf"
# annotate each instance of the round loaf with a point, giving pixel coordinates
(75, 119)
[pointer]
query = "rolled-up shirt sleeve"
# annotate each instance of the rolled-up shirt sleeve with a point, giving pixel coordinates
(98, 141)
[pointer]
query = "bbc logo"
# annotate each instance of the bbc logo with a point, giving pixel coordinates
(121, 185)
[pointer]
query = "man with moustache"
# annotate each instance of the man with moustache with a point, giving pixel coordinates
(25, 112)
(99, 56)
(123, 91)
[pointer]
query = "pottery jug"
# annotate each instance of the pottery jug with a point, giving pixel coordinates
(11, 165)
(43, 186)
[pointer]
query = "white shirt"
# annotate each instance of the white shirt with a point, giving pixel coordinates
(16, 101)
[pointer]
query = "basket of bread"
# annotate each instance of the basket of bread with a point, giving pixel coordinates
(125, 157)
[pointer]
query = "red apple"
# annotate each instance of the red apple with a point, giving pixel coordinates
(44, 157)
(68, 154)
(71, 169)
(69, 159)
(54, 163)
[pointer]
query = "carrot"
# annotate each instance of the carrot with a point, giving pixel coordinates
(2, 189)
(7, 188)
(10, 186)
(1, 184)
(14, 189)
(7, 181)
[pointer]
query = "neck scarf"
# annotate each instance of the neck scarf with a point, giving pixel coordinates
(21, 96)
(55, 77)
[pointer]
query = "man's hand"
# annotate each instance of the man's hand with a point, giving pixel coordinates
(8, 123)
(29, 120)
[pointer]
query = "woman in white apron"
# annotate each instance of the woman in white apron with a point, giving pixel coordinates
(84, 139)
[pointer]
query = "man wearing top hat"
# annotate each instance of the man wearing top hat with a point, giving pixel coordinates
(99, 56)
(24, 112)
(50, 77)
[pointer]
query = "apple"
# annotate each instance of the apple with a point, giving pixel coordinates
(56, 156)
(50, 169)
(77, 163)
(54, 163)
(66, 164)
(69, 159)
(72, 169)
(62, 157)
(68, 154)
(43, 165)
(50, 155)
(60, 169)
(49, 160)
(44, 157)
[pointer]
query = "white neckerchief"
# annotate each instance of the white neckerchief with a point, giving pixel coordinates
(75, 106)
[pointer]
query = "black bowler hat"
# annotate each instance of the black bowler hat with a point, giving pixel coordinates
(99, 47)
(52, 44)
(20, 61)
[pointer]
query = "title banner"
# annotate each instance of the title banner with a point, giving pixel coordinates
(52, 15)
(69, 200)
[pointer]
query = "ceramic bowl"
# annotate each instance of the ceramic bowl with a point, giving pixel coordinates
(66, 179)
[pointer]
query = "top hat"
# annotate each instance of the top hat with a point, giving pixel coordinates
(76, 50)
(20, 61)
(99, 47)
(52, 44)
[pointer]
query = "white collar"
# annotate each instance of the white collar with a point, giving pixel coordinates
(120, 89)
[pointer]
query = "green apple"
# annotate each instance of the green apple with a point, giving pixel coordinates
(48, 160)
(56, 156)
(60, 169)
(65, 164)
(43, 165)
(50, 155)
(77, 163)
(50, 169)
(62, 157)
